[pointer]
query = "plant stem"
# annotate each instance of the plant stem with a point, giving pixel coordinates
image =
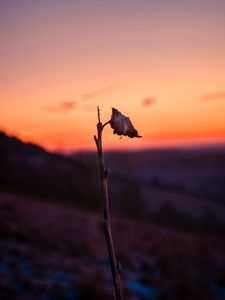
(115, 267)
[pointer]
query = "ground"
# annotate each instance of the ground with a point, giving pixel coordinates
(56, 251)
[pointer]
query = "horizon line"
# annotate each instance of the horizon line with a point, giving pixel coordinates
(185, 144)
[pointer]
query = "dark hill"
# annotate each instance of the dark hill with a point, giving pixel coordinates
(29, 169)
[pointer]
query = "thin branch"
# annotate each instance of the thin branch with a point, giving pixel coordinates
(98, 111)
(105, 124)
(115, 266)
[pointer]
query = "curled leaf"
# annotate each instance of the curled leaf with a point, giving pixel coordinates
(122, 125)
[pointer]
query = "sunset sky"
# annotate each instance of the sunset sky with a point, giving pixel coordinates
(162, 63)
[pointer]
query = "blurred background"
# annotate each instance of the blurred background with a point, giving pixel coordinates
(160, 63)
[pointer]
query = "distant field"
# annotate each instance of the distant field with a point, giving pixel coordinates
(197, 171)
(197, 207)
(172, 186)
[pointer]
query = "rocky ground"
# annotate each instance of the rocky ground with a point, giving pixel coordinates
(54, 251)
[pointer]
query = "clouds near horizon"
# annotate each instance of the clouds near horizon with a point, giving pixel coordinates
(148, 101)
(63, 107)
(213, 96)
(69, 105)
(98, 93)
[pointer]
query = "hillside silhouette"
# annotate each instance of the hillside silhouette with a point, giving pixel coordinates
(29, 169)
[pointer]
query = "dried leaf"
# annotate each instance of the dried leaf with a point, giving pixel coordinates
(122, 125)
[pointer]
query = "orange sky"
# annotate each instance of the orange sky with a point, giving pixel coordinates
(160, 62)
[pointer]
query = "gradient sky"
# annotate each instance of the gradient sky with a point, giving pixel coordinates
(160, 62)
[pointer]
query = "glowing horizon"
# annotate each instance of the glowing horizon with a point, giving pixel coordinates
(161, 64)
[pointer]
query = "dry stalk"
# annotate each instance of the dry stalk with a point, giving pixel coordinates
(115, 266)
